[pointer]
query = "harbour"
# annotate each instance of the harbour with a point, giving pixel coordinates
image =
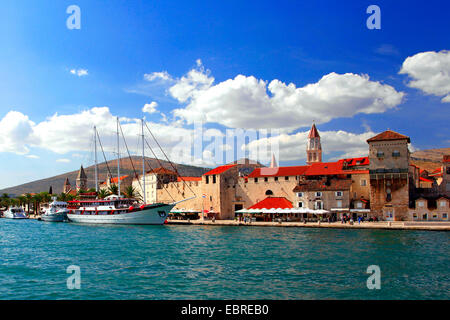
(222, 262)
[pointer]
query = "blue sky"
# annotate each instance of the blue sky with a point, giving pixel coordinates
(122, 41)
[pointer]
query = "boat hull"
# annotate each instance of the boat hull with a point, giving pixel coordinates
(53, 217)
(13, 216)
(156, 215)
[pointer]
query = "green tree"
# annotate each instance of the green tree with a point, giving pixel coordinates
(103, 193)
(62, 197)
(29, 199)
(46, 197)
(131, 192)
(113, 189)
(4, 200)
(37, 200)
(22, 200)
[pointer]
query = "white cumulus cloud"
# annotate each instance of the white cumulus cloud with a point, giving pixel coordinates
(430, 72)
(293, 146)
(16, 133)
(150, 107)
(163, 75)
(79, 72)
(248, 102)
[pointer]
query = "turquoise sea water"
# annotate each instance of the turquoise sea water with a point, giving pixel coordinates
(198, 262)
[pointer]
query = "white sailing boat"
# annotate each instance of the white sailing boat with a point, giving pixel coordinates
(116, 209)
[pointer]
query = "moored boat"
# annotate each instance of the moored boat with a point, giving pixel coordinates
(56, 212)
(117, 210)
(15, 213)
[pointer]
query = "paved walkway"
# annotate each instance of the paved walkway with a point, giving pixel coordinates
(394, 225)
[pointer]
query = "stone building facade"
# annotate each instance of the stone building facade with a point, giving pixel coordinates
(430, 209)
(184, 188)
(155, 180)
(389, 175)
(329, 194)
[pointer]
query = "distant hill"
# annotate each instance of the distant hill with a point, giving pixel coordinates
(430, 159)
(126, 168)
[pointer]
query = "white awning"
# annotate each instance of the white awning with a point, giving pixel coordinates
(360, 210)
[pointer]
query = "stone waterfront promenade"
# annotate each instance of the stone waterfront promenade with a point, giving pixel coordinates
(394, 225)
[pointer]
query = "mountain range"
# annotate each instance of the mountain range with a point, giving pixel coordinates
(126, 168)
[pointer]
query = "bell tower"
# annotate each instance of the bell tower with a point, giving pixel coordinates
(313, 146)
(81, 181)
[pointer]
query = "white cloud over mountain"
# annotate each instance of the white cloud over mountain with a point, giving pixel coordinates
(69, 134)
(248, 102)
(430, 72)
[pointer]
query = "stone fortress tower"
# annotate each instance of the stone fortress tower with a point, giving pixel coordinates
(81, 182)
(313, 146)
(388, 168)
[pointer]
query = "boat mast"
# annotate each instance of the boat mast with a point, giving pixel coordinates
(143, 160)
(95, 156)
(118, 157)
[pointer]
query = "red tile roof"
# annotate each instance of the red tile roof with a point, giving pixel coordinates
(189, 179)
(330, 168)
(278, 172)
(115, 180)
(273, 202)
(219, 170)
(389, 135)
(363, 161)
(324, 168)
(313, 133)
(436, 173)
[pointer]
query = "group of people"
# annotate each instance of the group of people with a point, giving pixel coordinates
(346, 219)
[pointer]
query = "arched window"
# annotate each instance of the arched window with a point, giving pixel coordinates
(269, 193)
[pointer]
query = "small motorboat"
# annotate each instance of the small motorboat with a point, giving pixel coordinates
(56, 212)
(15, 213)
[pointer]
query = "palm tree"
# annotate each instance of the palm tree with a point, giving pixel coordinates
(113, 189)
(22, 200)
(70, 197)
(81, 191)
(131, 192)
(4, 200)
(62, 197)
(29, 199)
(46, 197)
(103, 193)
(37, 199)
(13, 202)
